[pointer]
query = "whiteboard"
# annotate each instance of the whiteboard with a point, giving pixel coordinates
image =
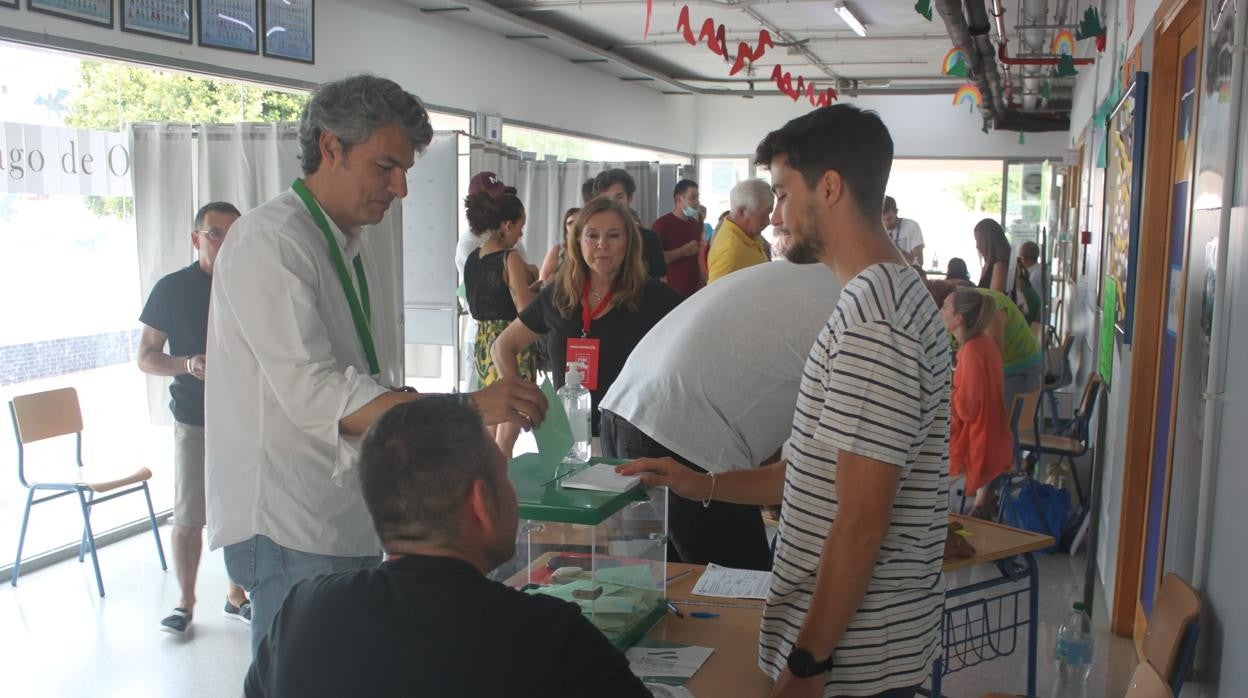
(430, 231)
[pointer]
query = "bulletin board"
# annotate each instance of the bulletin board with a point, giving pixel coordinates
(1124, 177)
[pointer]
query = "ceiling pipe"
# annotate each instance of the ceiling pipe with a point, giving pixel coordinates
(998, 13)
(955, 23)
(978, 26)
(1004, 58)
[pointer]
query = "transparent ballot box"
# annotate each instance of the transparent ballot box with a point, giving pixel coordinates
(603, 551)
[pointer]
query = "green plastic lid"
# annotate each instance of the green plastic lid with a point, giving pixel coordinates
(542, 499)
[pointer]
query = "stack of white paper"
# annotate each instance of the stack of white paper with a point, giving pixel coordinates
(732, 583)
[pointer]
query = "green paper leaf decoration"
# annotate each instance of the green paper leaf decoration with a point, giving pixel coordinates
(1065, 67)
(986, 125)
(1090, 26)
(1046, 89)
(1022, 138)
(959, 69)
(924, 7)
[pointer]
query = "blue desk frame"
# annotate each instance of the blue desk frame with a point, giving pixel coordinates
(968, 634)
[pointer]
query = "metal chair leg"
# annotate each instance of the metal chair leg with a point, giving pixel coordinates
(151, 516)
(1074, 475)
(86, 521)
(21, 537)
(82, 545)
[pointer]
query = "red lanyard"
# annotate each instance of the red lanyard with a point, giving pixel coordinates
(587, 315)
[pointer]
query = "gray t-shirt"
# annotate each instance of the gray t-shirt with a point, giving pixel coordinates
(716, 380)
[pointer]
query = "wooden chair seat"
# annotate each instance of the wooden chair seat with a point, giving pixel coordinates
(1049, 442)
(98, 480)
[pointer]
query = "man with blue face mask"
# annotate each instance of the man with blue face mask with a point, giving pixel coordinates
(681, 234)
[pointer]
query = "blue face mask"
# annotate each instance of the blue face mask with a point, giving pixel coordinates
(690, 212)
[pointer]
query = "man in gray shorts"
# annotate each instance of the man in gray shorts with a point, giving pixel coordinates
(177, 312)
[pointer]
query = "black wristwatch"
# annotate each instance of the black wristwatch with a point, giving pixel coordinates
(803, 665)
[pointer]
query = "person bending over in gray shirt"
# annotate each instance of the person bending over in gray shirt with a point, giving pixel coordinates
(714, 385)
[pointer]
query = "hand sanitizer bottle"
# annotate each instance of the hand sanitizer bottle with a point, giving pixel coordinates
(576, 402)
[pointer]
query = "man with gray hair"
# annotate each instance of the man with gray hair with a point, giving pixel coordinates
(739, 242)
(428, 621)
(293, 319)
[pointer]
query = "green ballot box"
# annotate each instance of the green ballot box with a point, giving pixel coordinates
(593, 539)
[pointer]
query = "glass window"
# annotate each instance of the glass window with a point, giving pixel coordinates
(71, 278)
(947, 198)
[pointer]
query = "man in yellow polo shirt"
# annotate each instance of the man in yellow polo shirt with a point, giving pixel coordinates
(739, 242)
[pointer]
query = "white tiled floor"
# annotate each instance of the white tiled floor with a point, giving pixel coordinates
(59, 638)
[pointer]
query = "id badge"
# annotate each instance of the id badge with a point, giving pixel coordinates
(585, 350)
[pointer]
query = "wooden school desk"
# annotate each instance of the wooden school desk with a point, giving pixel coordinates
(970, 630)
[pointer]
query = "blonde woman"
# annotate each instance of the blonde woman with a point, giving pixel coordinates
(601, 302)
(980, 443)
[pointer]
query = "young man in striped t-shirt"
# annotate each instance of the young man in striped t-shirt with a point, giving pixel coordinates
(857, 591)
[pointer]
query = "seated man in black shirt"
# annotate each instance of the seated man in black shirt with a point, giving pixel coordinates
(427, 622)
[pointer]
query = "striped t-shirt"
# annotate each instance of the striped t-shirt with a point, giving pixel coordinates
(876, 384)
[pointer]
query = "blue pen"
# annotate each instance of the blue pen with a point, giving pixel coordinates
(703, 614)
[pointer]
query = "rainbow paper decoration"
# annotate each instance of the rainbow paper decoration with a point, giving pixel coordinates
(969, 95)
(1063, 43)
(955, 63)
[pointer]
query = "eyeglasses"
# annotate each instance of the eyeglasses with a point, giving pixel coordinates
(214, 234)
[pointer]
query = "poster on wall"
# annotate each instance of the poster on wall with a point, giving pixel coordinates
(90, 11)
(167, 19)
(290, 29)
(229, 24)
(1124, 180)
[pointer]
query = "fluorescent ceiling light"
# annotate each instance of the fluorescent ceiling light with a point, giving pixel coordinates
(848, 17)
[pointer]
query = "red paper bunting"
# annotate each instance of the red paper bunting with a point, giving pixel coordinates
(716, 41)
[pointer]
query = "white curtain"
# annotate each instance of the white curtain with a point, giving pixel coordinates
(549, 187)
(180, 167)
(164, 206)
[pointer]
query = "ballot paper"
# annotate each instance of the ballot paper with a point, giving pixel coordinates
(554, 436)
(732, 583)
(666, 662)
(602, 478)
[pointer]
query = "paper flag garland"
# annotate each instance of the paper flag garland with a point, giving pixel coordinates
(1090, 27)
(955, 63)
(986, 125)
(715, 37)
(1046, 89)
(969, 95)
(1065, 67)
(924, 7)
(1063, 43)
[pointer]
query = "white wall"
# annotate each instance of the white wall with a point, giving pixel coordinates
(1092, 87)
(922, 126)
(445, 62)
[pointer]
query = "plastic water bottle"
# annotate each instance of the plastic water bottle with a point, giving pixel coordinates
(576, 402)
(1074, 654)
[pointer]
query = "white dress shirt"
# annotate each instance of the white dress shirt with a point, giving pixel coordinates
(285, 365)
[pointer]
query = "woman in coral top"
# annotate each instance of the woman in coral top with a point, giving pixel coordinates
(980, 443)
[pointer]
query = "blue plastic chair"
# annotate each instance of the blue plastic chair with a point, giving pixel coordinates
(52, 414)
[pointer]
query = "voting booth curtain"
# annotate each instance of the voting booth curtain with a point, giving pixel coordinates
(548, 187)
(180, 167)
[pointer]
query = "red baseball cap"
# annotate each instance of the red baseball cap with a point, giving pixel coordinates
(487, 182)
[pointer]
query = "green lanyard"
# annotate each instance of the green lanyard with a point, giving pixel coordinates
(360, 313)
